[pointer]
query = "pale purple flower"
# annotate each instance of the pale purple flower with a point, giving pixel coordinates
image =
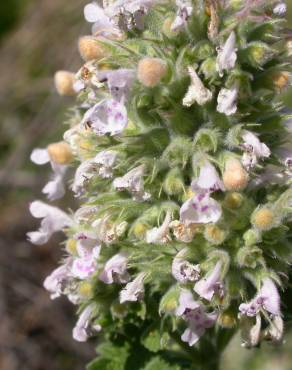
(119, 82)
(200, 209)
(57, 280)
(254, 149)
(280, 9)
(197, 92)
(83, 175)
(227, 101)
(208, 180)
(105, 161)
(84, 327)
(133, 182)
(184, 11)
(53, 220)
(106, 117)
(194, 313)
(160, 235)
(88, 248)
(55, 188)
(115, 270)
(182, 270)
(227, 55)
(134, 290)
(267, 299)
(210, 285)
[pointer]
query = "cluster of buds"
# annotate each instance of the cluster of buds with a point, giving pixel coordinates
(179, 188)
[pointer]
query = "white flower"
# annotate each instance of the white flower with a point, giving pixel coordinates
(115, 270)
(133, 182)
(227, 55)
(53, 220)
(200, 209)
(208, 179)
(184, 11)
(182, 270)
(106, 117)
(55, 188)
(105, 161)
(84, 328)
(119, 82)
(208, 286)
(254, 149)
(133, 291)
(268, 298)
(160, 235)
(280, 9)
(56, 281)
(197, 92)
(87, 76)
(227, 101)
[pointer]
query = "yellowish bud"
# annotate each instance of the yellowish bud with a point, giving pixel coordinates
(214, 234)
(139, 229)
(233, 200)
(71, 246)
(91, 48)
(85, 289)
(60, 153)
(151, 71)
(64, 81)
(263, 219)
(235, 177)
(166, 28)
(227, 320)
(281, 80)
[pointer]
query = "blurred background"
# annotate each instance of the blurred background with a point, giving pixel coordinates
(38, 37)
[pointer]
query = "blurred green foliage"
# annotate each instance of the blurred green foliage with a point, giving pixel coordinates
(10, 12)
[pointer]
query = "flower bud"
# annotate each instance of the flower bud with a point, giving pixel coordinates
(71, 246)
(91, 48)
(169, 301)
(139, 229)
(249, 257)
(64, 81)
(227, 320)
(208, 68)
(251, 237)
(85, 289)
(258, 53)
(151, 71)
(281, 80)
(263, 219)
(203, 50)
(173, 183)
(233, 200)
(235, 177)
(119, 310)
(60, 153)
(214, 234)
(167, 30)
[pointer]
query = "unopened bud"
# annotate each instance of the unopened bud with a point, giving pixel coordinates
(92, 48)
(227, 320)
(139, 229)
(60, 153)
(233, 200)
(71, 246)
(214, 234)
(258, 53)
(64, 82)
(173, 183)
(85, 289)
(151, 71)
(167, 29)
(281, 80)
(251, 237)
(208, 68)
(235, 177)
(263, 219)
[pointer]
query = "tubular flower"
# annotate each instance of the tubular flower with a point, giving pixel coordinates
(227, 55)
(197, 92)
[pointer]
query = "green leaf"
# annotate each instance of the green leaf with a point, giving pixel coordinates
(151, 339)
(158, 363)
